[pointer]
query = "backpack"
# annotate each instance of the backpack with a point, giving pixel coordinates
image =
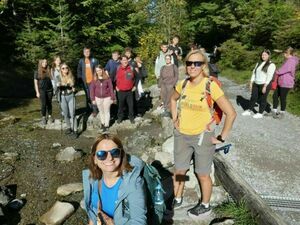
(216, 112)
(152, 179)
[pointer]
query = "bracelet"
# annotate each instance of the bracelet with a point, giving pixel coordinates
(219, 138)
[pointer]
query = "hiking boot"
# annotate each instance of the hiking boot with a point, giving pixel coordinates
(176, 204)
(258, 116)
(246, 113)
(199, 211)
(68, 131)
(50, 119)
(44, 121)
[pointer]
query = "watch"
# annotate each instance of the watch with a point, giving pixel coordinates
(219, 138)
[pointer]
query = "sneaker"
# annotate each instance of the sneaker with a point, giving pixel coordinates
(176, 204)
(44, 121)
(50, 118)
(246, 113)
(199, 211)
(68, 131)
(258, 116)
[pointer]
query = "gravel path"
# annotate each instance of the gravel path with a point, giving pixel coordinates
(266, 151)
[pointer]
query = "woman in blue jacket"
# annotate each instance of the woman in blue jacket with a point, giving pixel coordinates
(113, 183)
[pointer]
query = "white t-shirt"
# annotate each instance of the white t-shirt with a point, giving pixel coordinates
(260, 77)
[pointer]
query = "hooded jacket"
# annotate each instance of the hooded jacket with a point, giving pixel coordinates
(131, 195)
(286, 73)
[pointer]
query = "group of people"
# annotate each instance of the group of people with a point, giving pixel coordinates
(264, 76)
(120, 81)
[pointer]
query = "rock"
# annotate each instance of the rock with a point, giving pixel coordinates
(226, 222)
(192, 182)
(4, 199)
(6, 170)
(218, 196)
(154, 91)
(23, 195)
(168, 145)
(10, 156)
(9, 120)
(68, 154)
(164, 157)
(139, 140)
(145, 157)
(59, 212)
(146, 122)
(56, 145)
(82, 205)
(157, 112)
(67, 189)
(168, 127)
(80, 93)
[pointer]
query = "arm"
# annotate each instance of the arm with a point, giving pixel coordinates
(79, 69)
(176, 73)
(36, 88)
(285, 68)
(230, 114)
(175, 96)
(111, 89)
(137, 204)
(253, 77)
(92, 91)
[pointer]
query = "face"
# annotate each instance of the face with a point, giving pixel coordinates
(44, 63)
(168, 60)
(195, 69)
(164, 48)
(64, 69)
(87, 52)
(57, 61)
(175, 40)
(115, 56)
(128, 54)
(99, 73)
(265, 56)
(109, 164)
(124, 61)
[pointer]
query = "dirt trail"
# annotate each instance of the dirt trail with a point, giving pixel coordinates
(266, 151)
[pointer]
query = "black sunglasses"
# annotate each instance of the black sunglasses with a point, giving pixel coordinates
(196, 63)
(102, 155)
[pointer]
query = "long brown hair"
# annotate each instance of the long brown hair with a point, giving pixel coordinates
(104, 74)
(43, 72)
(205, 68)
(69, 79)
(96, 172)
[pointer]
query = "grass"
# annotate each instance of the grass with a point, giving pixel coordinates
(238, 212)
(243, 77)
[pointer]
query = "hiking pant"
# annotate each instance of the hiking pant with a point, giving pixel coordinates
(125, 96)
(46, 102)
(68, 108)
(103, 105)
(281, 93)
(166, 93)
(257, 94)
(86, 89)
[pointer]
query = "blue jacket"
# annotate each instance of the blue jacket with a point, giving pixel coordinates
(130, 208)
(111, 67)
(81, 68)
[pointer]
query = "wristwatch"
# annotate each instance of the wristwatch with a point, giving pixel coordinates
(219, 138)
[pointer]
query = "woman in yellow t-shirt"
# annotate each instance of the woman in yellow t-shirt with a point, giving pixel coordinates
(191, 136)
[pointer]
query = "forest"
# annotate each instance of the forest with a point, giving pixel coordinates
(34, 29)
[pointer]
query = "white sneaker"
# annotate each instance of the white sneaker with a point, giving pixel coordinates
(246, 113)
(258, 116)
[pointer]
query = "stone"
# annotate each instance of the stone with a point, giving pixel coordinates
(168, 145)
(9, 120)
(218, 196)
(145, 157)
(154, 91)
(59, 212)
(82, 205)
(4, 199)
(6, 170)
(192, 182)
(157, 112)
(67, 189)
(168, 127)
(56, 145)
(68, 154)
(164, 157)
(10, 156)
(146, 122)
(23, 195)
(226, 222)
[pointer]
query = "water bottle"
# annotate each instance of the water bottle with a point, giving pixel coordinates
(158, 195)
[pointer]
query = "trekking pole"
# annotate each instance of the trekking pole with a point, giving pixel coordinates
(224, 148)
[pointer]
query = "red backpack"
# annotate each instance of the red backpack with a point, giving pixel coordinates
(216, 112)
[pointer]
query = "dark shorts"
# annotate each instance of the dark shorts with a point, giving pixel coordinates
(187, 145)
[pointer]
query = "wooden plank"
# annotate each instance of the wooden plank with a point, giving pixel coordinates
(240, 190)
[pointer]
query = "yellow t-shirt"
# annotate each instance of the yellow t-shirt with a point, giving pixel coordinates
(194, 110)
(88, 71)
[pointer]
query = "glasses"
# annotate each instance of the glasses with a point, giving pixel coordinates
(64, 68)
(102, 155)
(196, 63)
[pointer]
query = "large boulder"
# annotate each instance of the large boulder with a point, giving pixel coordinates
(164, 157)
(154, 91)
(168, 145)
(68, 154)
(168, 127)
(67, 189)
(59, 212)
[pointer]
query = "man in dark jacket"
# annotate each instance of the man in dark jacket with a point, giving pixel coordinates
(112, 66)
(85, 73)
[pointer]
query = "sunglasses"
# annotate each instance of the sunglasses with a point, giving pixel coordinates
(102, 155)
(196, 63)
(64, 68)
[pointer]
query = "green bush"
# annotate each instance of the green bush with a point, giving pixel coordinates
(236, 56)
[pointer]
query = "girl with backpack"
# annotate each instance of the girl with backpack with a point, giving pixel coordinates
(167, 80)
(260, 84)
(102, 95)
(193, 135)
(44, 90)
(67, 99)
(286, 81)
(113, 189)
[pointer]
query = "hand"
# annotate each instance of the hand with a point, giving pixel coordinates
(250, 86)
(264, 89)
(38, 95)
(94, 102)
(215, 141)
(176, 124)
(133, 89)
(117, 89)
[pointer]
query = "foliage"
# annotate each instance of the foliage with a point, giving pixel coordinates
(238, 212)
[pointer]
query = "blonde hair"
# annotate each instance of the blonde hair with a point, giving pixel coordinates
(68, 78)
(290, 51)
(205, 68)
